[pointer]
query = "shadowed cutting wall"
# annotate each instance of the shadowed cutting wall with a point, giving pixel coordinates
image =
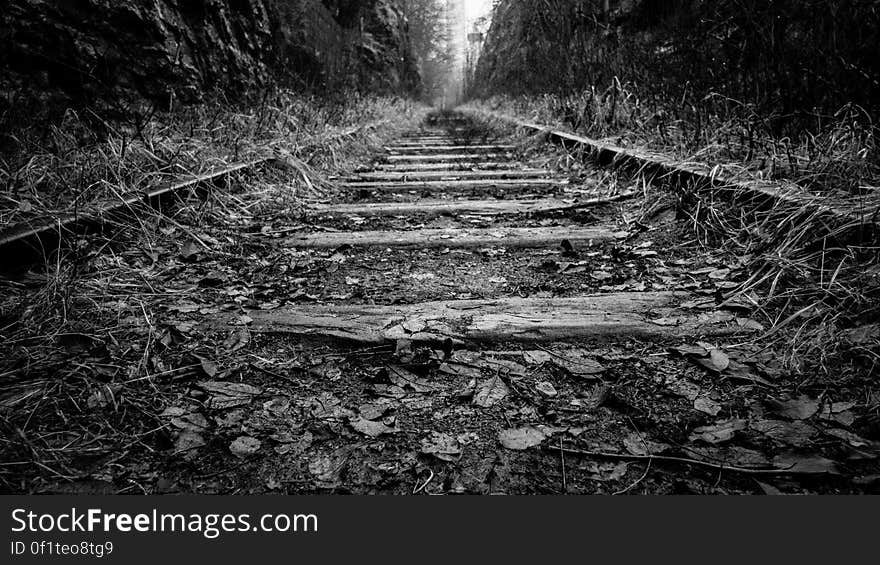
(178, 50)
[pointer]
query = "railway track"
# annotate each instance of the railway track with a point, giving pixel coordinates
(461, 317)
(531, 209)
(508, 312)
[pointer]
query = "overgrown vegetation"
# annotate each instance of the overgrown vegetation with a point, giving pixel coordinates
(431, 40)
(771, 90)
(79, 159)
(85, 342)
(787, 89)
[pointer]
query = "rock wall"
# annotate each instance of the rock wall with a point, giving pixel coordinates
(120, 51)
(377, 30)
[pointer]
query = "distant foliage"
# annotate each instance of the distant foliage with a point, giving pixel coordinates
(429, 35)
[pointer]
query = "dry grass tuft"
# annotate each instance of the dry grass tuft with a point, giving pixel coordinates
(78, 163)
(839, 156)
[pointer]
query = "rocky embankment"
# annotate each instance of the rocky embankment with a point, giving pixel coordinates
(121, 51)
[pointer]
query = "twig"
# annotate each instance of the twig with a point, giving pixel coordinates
(642, 478)
(418, 489)
(274, 374)
(593, 202)
(684, 460)
(562, 458)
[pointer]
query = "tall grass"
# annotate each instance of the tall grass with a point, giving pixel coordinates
(840, 156)
(80, 159)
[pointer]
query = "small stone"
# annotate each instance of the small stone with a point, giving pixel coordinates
(547, 389)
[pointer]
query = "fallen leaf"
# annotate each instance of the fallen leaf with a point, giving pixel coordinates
(442, 446)
(547, 389)
(838, 407)
(577, 363)
(863, 334)
(374, 410)
(464, 371)
(501, 366)
(749, 324)
(840, 412)
(104, 396)
(212, 279)
(208, 367)
(242, 320)
(370, 428)
(327, 406)
(797, 434)
(278, 406)
(801, 408)
(236, 340)
(407, 379)
(806, 465)
(637, 444)
(536, 357)
(669, 321)
(468, 390)
(684, 388)
(607, 472)
(690, 350)
(740, 372)
(520, 439)
(770, 490)
(733, 456)
(720, 360)
(403, 350)
(229, 395)
(716, 361)
(327, 469)
(189, 250)
(273, 484)
(193, 422)
(245, 446)
(414, 325)
(868, 480)
(721, 432)
(188, 440)
(706, 405)
(852, 439)
(718, 317)
(490, 392)
(845, 419)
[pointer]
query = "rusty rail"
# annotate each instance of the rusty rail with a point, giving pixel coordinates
(696, 174)
(25, 239)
